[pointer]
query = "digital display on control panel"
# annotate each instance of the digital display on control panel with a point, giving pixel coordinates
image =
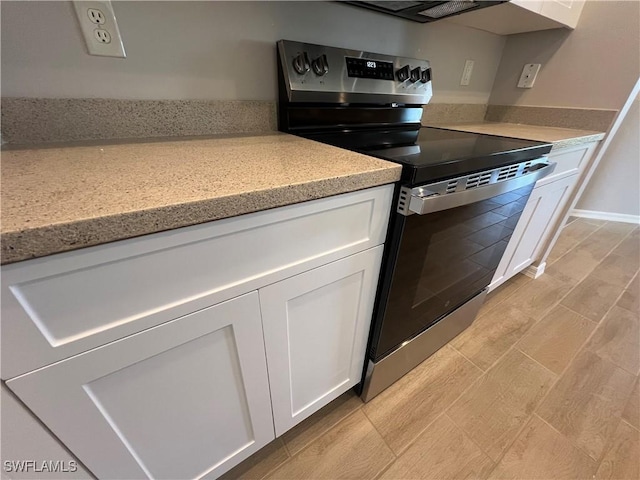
(364, 68)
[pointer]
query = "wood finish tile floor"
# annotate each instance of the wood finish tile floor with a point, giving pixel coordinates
(543, 385)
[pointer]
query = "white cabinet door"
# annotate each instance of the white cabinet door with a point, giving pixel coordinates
(536, 223)
(316, 327)
(566, 12)
(186, 399)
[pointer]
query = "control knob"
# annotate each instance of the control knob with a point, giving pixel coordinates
(403, 73)
(425, 75)
(415, 74)
(301, 63)
(320, 65)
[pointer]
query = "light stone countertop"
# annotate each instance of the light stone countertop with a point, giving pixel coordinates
(65, 198)
(560, 137)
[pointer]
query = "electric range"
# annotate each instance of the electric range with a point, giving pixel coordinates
(457, 203)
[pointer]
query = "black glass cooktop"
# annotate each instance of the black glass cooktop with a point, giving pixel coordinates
(430, 154)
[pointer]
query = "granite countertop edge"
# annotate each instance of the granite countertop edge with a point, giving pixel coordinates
(24, 243)
(57, 238)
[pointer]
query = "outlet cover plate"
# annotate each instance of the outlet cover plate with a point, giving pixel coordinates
(529, 74)
(96, 44)
(466, 73)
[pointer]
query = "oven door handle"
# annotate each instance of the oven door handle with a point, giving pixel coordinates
(422, 204)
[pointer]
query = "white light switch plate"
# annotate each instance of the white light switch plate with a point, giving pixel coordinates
(99, 28)
(529, 73)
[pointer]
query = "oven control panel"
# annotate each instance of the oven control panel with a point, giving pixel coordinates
(317, 73)
(365, 68)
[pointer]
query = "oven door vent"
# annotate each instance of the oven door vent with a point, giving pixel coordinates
(478, 180)
(452, 186)
(508, 172)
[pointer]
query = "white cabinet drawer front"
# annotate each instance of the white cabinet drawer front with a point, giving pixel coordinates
(316, 328)
(65, 304)
(569, 161)
(186, 399)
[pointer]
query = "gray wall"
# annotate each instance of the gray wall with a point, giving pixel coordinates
(615, 185)
(221, 50)
(595, 66)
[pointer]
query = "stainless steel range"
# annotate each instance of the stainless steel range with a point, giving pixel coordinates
(459, 199)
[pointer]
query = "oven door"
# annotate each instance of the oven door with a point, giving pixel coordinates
(445, 256)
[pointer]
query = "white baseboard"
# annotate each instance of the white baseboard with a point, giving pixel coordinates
(610, 217)
(533, 271)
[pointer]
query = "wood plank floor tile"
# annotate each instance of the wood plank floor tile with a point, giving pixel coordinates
(574, 266)
(617, 269)
(536, 298)
(351, 449)
(605, 239)
(405, 409)
(622, 460)
(556, 338)
(585, 257)
(587, 402)
(571, 235)
(321, 421)
(617, 339)
(504, 291)
(540, 452)
(592, 297)
(621, 228)
(492, 334)
(630, 298)
(631, 412)
(444, 452)
(497, 406)
(258, 465)
(630, 246)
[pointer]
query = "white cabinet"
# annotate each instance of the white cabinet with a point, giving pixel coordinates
(316, 326)
(536, 224)
(146, 357)
(186, 399)
(518, 16)
(543, 214)
(58, 306)
(566, 12)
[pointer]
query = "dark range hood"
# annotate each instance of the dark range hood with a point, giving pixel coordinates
(424, 12)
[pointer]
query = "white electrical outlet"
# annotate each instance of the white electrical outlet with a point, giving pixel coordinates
(529, 73)
(466, 73)
(96, 16)
(99, 27)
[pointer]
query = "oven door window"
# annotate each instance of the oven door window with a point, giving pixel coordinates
(444, 259)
